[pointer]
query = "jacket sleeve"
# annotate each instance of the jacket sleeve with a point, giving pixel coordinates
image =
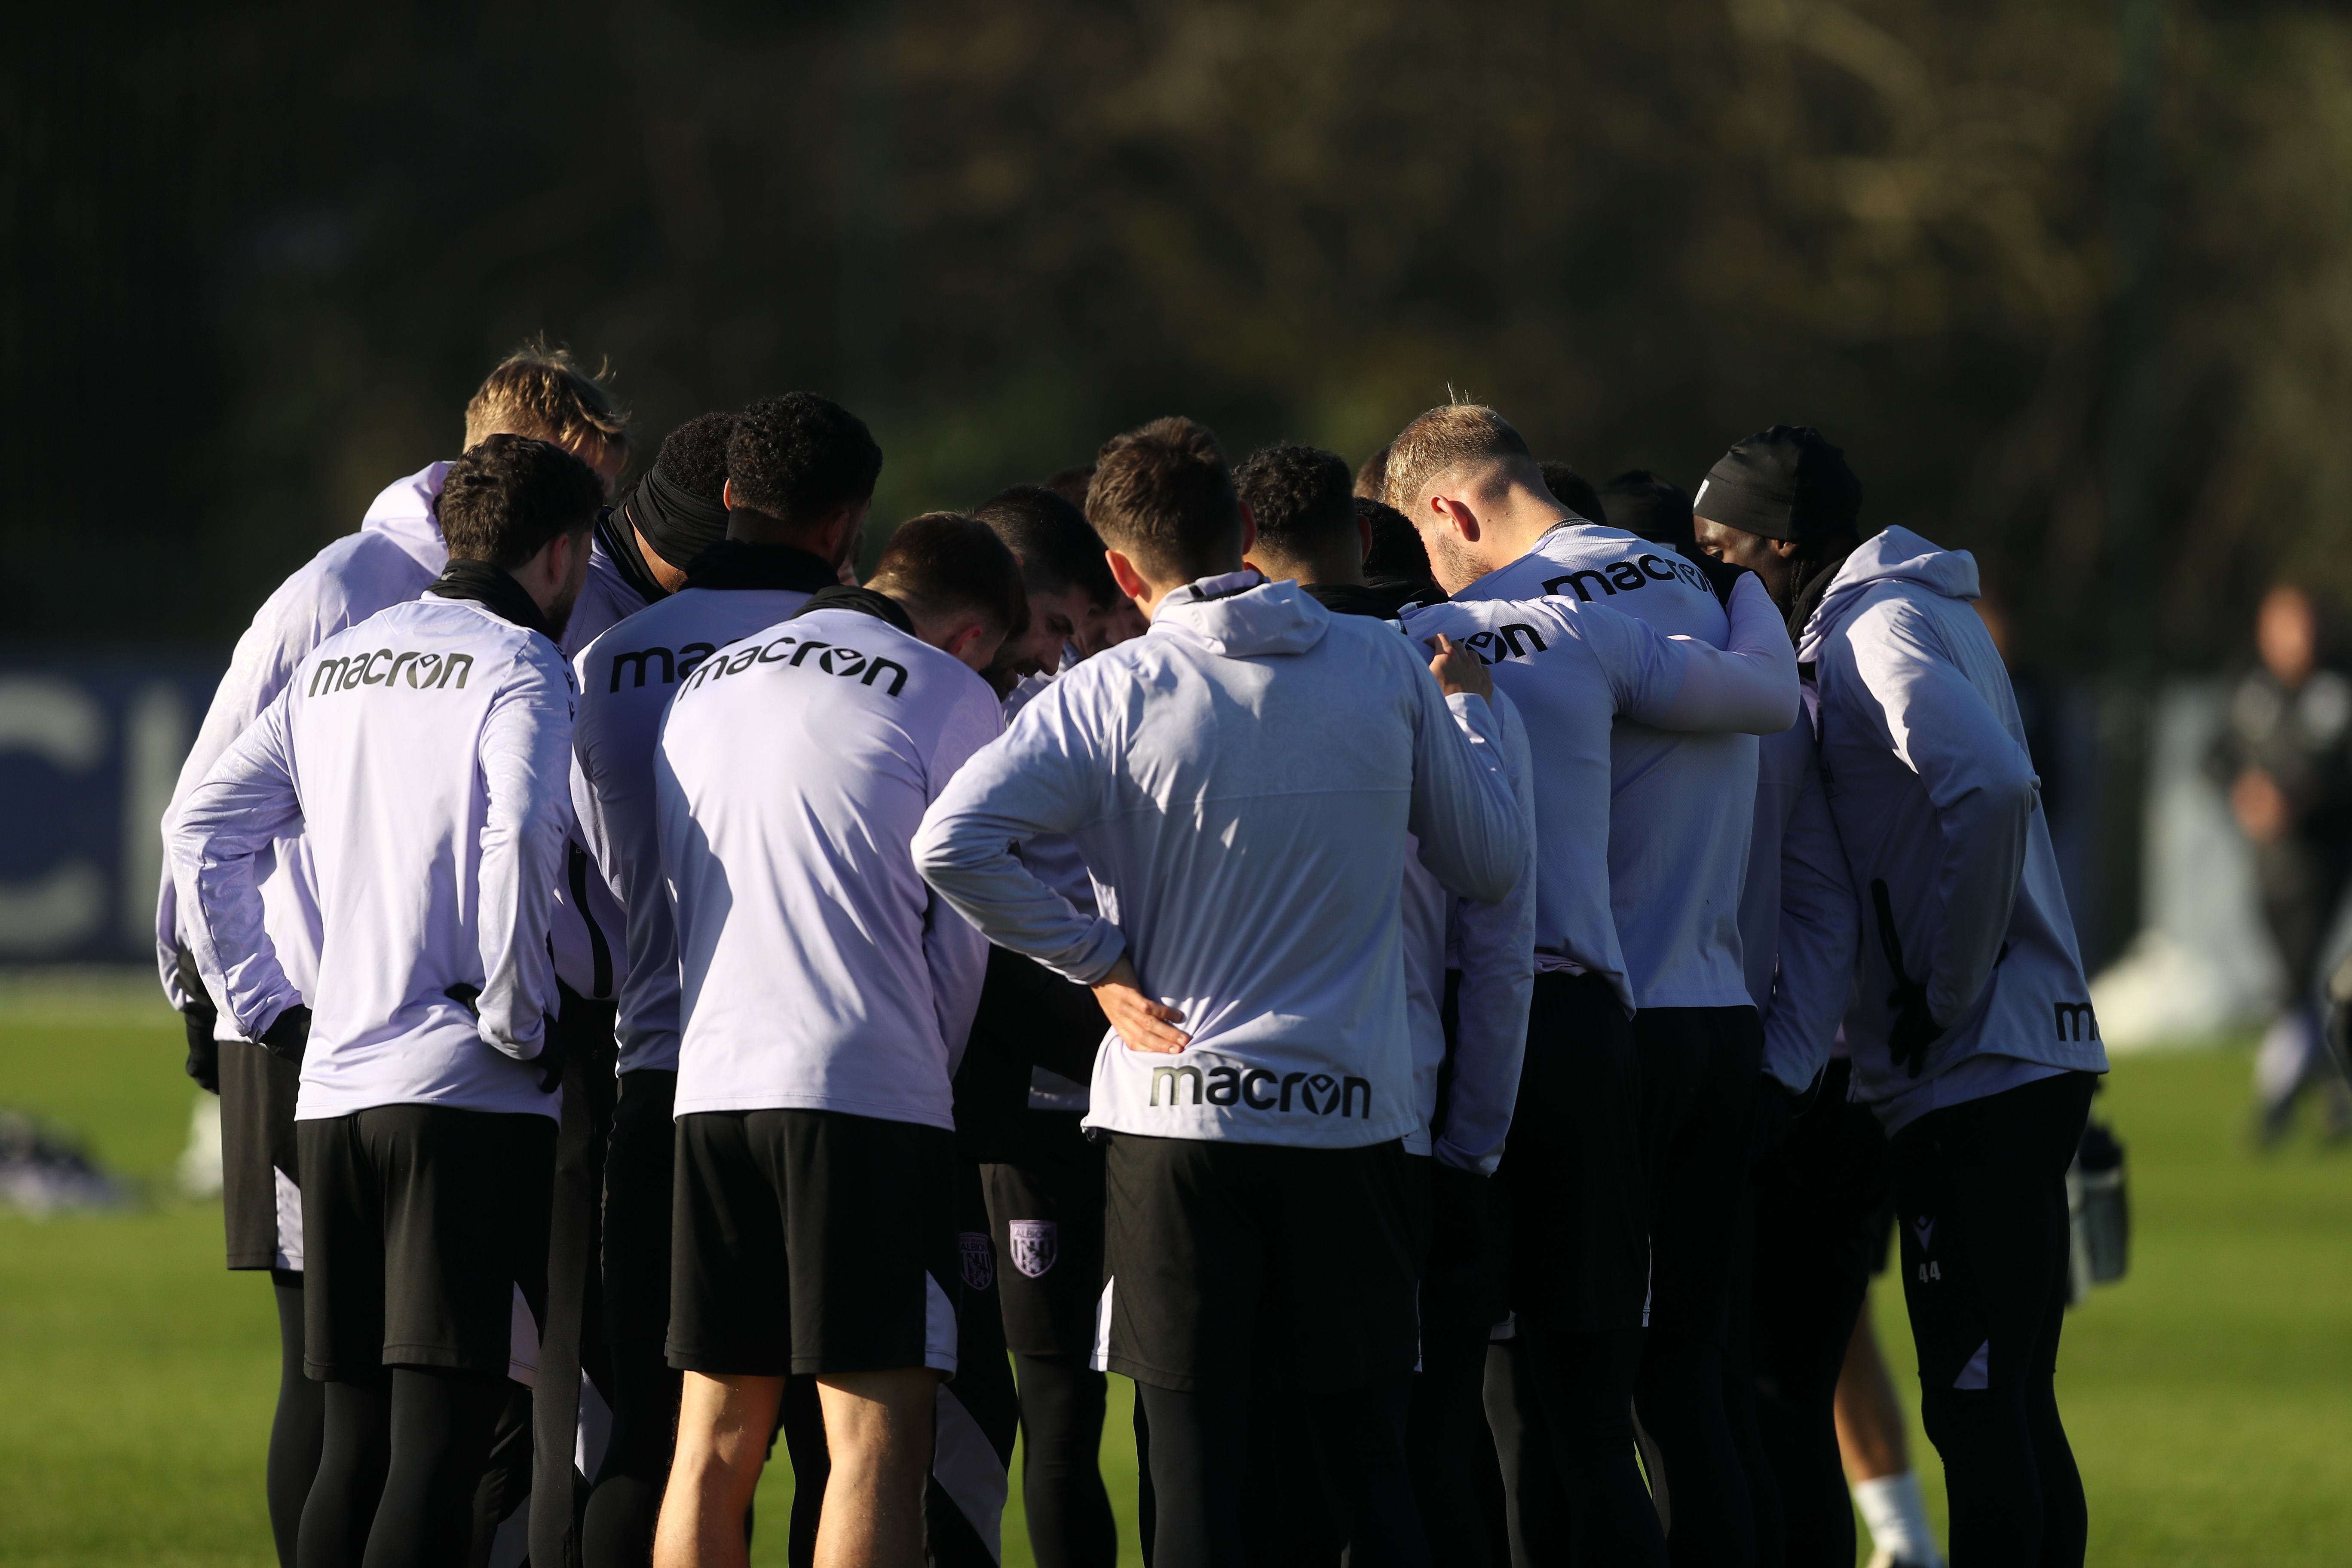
(1821, 933)
(525, 754)
(1975, 773)
(1747, 687)
(1045, 775)
(953, 948)
(1464, 811)
(244, 804)
(1496, 942)
(283, 633)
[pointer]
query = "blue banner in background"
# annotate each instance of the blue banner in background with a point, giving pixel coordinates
(89, 754)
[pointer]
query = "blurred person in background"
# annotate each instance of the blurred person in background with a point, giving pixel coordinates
(785, 485)
(394, 557)
(2284, 755)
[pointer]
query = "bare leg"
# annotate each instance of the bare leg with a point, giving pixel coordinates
(877, 1425)
(723, 1426)
(1869, 1417)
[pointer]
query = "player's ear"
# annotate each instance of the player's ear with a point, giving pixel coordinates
(1454, 515)
(1123, 572)
(1249, 527)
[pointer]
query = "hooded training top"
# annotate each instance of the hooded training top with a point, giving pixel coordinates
(626, 678)
(422, 754)
(1682, 804)
(820, 973)
(1240, 780)
(1492, 946)
(392, 558)
(1924, 760)
(1797, 919)
(1595, 686)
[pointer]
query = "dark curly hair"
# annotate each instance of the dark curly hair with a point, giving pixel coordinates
(508, 495)
(694, 456)
(800, 456)
(1302, 498)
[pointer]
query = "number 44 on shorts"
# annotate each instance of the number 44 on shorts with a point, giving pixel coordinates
(1924, 1230)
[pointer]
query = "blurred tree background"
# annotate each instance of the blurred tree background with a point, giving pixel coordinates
(258, 255)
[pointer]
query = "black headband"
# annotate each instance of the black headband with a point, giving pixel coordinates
(678, 523)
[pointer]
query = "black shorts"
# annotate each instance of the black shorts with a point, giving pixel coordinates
(1572, 1221)
(639, 1167)
(1700, 1078)
(1046, 1215)
(812, 1242)
(1211, 1248)
(420, 1223)
(261, 1172)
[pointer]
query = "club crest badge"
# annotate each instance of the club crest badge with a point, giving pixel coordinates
(978, 1259)
(1035, 1243)
(1925, 1230)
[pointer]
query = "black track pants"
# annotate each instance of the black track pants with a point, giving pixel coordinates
(416, 1510)
(1980, 1201)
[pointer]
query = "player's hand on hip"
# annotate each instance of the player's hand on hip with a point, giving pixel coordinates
(1459, 671)
(1144, 1024)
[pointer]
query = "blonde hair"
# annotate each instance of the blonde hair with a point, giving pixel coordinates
(541, 391)
(1446, 437)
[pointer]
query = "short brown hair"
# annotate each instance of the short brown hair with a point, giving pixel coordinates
(1372, 477)
(508, 495)
(1163, 496)
(944, 562)
(1446, 437)
(543, 392)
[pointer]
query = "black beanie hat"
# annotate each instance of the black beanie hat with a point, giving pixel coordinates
(1783, 483)
(1640, 503)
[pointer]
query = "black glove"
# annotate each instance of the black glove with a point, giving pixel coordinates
(289, 1035)
(1914, 1030)
(204, 1051)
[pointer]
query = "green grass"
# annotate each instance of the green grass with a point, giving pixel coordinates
(2209, 1395)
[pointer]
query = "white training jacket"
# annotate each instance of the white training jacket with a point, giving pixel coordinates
(626, 678)
(1598, 687)
(1241, 781)
(1493, 944)
(606, 599)
(1682, 804)
(820, 973)
(1799, 922)
(1925, 763)
(392, 558)
(1054, 860)
(423, 754)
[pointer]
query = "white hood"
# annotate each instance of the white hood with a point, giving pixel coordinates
(1242, 615)
(1896, 555)
(403, 513)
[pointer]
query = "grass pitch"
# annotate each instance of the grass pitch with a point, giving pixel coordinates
(2209, 1395)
